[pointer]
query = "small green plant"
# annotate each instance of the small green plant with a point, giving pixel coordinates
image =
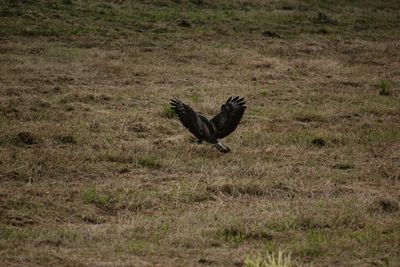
(168, 111)
(384, 87)
(149, 162)
(91, 196)
(196, 98)
(269, 260)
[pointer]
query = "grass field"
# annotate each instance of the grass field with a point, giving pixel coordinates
(96, 171)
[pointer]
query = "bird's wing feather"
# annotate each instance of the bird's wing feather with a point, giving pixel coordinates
(228, 119)
(189, 118)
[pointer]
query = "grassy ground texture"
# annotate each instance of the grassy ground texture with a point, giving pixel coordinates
(95, 170)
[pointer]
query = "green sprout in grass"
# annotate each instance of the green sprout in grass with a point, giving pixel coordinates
(384, 87)
(168, 111)
(91, 196)
(196, 98)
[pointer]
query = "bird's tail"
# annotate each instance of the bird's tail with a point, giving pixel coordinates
(221, 147)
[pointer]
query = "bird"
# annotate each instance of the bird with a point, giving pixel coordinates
(203, 129)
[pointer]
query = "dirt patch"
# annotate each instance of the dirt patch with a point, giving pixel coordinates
(26, 138)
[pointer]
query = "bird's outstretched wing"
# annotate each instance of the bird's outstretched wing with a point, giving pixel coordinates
(189, 118)
(229, 117)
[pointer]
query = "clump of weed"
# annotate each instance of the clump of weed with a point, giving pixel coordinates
(318, 141)
(282, 259)
(324, 19)
(184, 23)
(16, 233)
(314, 245)
(66, 139)
(238, 190)
(92, 219)
(385, 205)
(85, 98)
(343, 166)
(119, 158)
(384, 87)
(104, 97)
(91, 196)
(137, 127)
(232, 234)
(308, 117)
(168, 111)
(26, 138)
(149, 162)
(67, 2)
(238, 234)
(69, 108)
(323, 31)
(94, 126)
(271, 34)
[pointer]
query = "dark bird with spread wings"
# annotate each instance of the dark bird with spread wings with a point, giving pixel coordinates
(218, 127)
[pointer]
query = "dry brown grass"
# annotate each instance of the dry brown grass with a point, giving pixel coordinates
(93, 172)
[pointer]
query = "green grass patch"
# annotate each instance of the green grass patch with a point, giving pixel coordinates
(15, 233)
(134, 245)
(92, 196)
(149, 162)
(195, 98)
(232, 235)
(168, 111)
(269, 259)
(315, 244)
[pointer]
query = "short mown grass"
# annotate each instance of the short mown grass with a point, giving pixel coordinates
(93, 160)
